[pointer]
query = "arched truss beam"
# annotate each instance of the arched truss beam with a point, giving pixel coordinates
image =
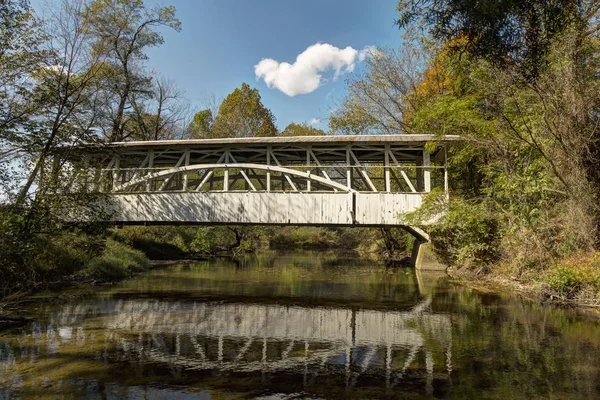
(269, 168)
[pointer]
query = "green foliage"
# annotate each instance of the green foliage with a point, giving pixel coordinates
(52, 258)
(123, 30)
(127, 25)
(464, 233)
(528, 158)
(576, 275)
(158, 242)
(369, 242)
(467, 235)
(309, 238)
(378, 100)
(64, 254)
(227, 239)
(294, 129)
(201, 125)
(242, 114)
(61, 80)
(504, 31)
(21, 54)
(116, 262)
(565, 280)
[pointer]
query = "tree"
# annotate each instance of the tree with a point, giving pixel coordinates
(66, 95)
(380, 97)
(161, 116)
(242, 114)
(294, 129)
(124, 29)
(50, 77)
(535, 141)
(20, 55)
(201, 125)
(506, 32)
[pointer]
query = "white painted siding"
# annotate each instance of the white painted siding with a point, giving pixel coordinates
(243, 208)
(384, 208)
(263, 208)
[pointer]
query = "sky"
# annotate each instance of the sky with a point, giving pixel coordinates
(222, 41)
(226, 42)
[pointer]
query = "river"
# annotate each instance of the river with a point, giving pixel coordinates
(295, 326)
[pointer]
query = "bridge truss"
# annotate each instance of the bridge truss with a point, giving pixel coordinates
(389, 164)
(315, 180)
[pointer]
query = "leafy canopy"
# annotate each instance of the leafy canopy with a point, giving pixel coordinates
(503, 31)
(242, 114)
(294, 129)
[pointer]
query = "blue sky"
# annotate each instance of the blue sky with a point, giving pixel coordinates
(222, 40)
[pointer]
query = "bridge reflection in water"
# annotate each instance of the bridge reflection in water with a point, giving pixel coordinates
(286, 324)
(250, 338)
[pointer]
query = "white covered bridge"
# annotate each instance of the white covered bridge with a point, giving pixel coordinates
(316, 180)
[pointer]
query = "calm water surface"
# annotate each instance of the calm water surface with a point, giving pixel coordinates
(295, 326)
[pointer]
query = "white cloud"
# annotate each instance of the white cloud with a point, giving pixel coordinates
(315, 121)
(304, 75)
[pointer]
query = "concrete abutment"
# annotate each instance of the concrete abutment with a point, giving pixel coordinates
(423, 257)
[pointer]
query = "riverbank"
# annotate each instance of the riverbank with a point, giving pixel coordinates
(572, 282)
(106, 253)
(11, 307)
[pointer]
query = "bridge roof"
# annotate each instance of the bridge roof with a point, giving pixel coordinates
(289, 149)
(338, 139)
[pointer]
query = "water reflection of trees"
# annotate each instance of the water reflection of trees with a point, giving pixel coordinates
(306, 279)
(504, 346)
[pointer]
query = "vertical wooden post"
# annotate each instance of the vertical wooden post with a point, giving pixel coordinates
(86, 173)
(116, 171)
(419, 173)
(268, 170)
(308, 167)
(446, 190)
(426, 171)
(348, 167)
(186, 163)
(97, 184)
(150, 166)
(386, 166)
(226, 172)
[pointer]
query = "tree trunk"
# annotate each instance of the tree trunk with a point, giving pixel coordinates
(117, 132)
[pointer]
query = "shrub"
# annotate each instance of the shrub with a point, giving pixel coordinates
(228, 239)
(116, 262)
(157, 242)
(463, 233)
(575, 274)
(65, 253)
(467, 235)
